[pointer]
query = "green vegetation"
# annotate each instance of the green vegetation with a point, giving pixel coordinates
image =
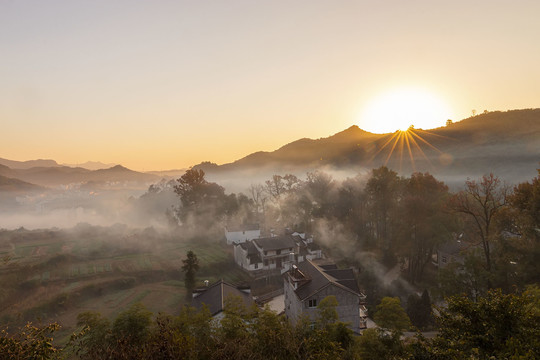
(391, 316)
(105, 269)
(190, 267)
(490, 294)
(499, 326)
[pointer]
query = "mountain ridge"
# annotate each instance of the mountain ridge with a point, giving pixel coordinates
(65, 175)
(14, 164)
(505, 143)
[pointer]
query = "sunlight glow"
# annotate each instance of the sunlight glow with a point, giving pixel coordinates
(409, 142)
(401, 108)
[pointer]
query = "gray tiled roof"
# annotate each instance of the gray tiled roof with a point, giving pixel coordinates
(276, 242)
(252, 252)
(319, 278)
(248, 245)
(215, 295)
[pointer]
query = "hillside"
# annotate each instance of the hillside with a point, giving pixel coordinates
(64, 175)
(92, 165)
(506, 143)
(15, 185)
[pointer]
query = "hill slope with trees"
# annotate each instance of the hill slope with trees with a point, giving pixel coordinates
(506, 143)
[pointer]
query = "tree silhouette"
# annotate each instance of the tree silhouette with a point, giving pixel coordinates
(190, 267)
(482, 201)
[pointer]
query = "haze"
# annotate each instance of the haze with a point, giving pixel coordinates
(166, 85)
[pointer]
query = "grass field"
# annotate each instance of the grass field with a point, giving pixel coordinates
(55, 275)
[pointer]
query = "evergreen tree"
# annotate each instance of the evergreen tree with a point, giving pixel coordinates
(190, 267)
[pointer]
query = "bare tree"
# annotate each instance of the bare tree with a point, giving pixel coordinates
(275, 187)
(258, 194)
(482, 201)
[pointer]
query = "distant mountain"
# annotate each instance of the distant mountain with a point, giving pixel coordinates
(16, 186)
(505, 143)
(175, 173)
(64, 175)
(28, 164)
(120, 173)
(92, 165)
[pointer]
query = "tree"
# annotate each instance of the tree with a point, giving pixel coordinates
(190, 267)
(482, 201)
(470, 277)
(498, 326)
(131, 330)
(390, 315)
(30, 342)
(258, 195)
(419, 310)
(275, 187)
(203, 202)
(521, 246)
(376, 344)
(190, 187)
(95, 342)
(383, 189)
(327, 313)
(320, 186)
(424, 221)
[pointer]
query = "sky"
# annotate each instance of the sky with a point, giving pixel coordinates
(156, 85)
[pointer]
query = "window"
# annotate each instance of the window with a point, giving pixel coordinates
(444, 259)
(278, 252)
(312, 303)
(256, 265)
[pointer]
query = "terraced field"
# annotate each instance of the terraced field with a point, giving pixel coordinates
(56, 274)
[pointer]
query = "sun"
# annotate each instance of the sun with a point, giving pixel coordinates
(402, 108)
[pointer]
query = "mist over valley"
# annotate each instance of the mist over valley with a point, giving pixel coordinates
(78, 244)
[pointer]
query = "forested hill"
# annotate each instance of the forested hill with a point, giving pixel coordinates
(506, 143)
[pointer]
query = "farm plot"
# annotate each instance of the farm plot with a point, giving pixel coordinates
(88, 269)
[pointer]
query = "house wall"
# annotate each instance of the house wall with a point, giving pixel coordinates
(293, 306)
(347, 309)
(317, 254)
(241, 236)
(240, 257)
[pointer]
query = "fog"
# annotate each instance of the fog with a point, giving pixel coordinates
(77, 203)
(66, 208)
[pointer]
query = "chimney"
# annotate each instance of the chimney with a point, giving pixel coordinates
(206, 283)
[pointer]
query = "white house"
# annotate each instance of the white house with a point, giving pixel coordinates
(276, 252)
(247, 256)
(242, 233)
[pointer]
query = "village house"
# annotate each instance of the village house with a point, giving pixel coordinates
(242, 233)
(307, 284)
(276, 252)
(216, 295)
(450, 252)
(454, 251)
